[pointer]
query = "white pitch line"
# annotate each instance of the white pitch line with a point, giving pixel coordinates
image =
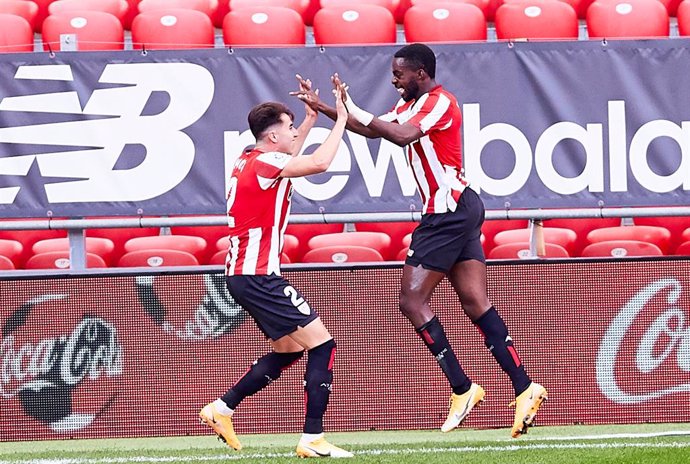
(613, 436)
(369, 452)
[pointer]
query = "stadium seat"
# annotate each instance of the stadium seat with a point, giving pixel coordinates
(342, 254)
(94, 30)
(25, 9)
(397, 231)
(172, 29)
(520, 250)
(209, 233)
(132, 11)
(195, 246)
(263, 26)
(60, 260)
(6, 264)
(445, 22)
(536, 19)
(555, 235)
(16, 35)
(101, 247)
(581, 227)
(390, 5)
(117, 8)
(120, 235)
(354, 24)
(658, 236)
(685, 236)
(378, 241)
(483, 5)
(300, 6)
(621, 249)
(491, 227)
(627, 19)
(157, 258)
(42, 13)
(683, 249)
(12, 250)
(683, 17)
(675, 224)
(28, 237)
(208, 7)
(304, 232)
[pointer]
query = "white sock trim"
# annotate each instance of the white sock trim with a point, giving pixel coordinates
(223, 408)
(309, 437)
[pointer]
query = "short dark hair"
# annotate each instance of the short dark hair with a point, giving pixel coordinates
(419, 56)
(265, 115)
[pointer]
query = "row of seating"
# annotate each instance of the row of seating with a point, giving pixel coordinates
(374, 242)
(180, 24)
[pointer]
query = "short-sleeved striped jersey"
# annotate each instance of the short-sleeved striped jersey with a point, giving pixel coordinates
(258, 208)
(436, 158)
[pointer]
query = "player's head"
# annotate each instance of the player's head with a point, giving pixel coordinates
(414, 69)
(272, 122)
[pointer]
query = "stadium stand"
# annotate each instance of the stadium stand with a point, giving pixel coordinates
(491, 227)
(195, 246)
(398, 232)
(117, 8)
(42, 13)
(521, 250)
(536, 19)
(25, 9)
(172, 29)
(211, 234)
(354, 24)
(555, 235)
(101, 247)
(93, 30)
(683, 18)
(683, 249)
(12, 250)
(157, 258)
(627, 19)
(581, 227)
(61, 260)
(675, 224)
(658, 236)
(28, 237)
(119, 236)
(208, 7)
(621, 249)
(263, 26)
(6, 264)
(444, 22)
(377, 241)
(686, 234)
(300, 6)
(15, 34)
(342, 254)
(483, 5)
(304, 232)
(390, 5)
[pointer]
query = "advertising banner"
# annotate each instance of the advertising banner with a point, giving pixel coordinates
(140, 355)
(545, 125)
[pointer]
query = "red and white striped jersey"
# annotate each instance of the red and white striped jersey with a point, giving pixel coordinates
(258, 208)
(436, 158)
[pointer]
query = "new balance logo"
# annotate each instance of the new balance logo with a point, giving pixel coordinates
(90, 144)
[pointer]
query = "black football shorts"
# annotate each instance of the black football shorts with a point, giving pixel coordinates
(275, 305)
(441, 240)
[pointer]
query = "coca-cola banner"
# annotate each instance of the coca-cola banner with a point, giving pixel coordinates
(140, 355)
(570, 124)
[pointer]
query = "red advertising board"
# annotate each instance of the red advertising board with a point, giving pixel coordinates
(122, 356)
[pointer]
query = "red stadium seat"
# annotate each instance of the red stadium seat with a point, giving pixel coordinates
(300, 6)
(42, 13)
(658, 236)
(60, 260)
(28, 237)
(195, 246)
(444, 22)
(6, 264)
(25, 9)
(172, 29)
(16, 35)
(209, 233)
(94, 30)
(675, 224)
(354, 24)
(683, 17)
(627, 19)
(491, 227)
(621, 249)
(117, 8)
(378, 241)
(12, 250)
(304, 232)
(208, 7)
(686, 234)
(390, 5)
(101, 247)
(132, 11)
(683, 249)
(397, 231)
(157, 258)
(342, 254)
(581, 227)
(263, 26)
(536, 19)
(555, 235)
(120, 235)
(521, 250)
(484, 5)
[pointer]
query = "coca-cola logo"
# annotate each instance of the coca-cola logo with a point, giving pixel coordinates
(44, 374)
(215, 315)
(664, 338)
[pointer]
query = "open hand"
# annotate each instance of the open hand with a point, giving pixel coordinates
(309, 96)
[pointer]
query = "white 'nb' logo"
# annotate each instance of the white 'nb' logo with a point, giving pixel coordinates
(669, 326)
(169, 151)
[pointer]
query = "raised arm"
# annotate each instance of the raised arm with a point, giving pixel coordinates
(321, 159)
(309, 119)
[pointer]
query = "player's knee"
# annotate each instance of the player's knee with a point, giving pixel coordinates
(275, 363)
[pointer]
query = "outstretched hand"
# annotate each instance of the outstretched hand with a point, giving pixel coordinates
(309, 96)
